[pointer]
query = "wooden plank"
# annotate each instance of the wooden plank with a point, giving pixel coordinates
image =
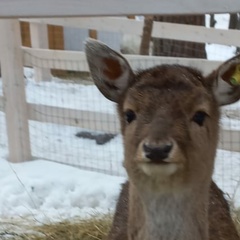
(39, 39)
(55, 59)
(229, 140)
(76, 61)
(25, 32)
(56, 37)
(44, 8)
(14, 91)
(112, 24)
(93, 34)
(160, 29)
(56, 41)
(196, 34)
(78, 118)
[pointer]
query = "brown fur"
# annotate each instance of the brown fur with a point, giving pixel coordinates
(184, 89)
(221, 225)
(170, 195)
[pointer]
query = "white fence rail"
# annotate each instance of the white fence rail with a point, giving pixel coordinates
(14, 57)
(62, 8)
(76, 61)
(160, 29)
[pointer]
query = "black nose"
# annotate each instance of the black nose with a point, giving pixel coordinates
(157, 153)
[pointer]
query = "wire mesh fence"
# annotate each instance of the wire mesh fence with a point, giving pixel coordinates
(72, 123)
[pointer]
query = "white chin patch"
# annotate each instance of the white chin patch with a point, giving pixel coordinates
(162, 170)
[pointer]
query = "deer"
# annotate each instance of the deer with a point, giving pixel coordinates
(169, 119)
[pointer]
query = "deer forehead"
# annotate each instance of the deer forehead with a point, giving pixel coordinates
(170, 87)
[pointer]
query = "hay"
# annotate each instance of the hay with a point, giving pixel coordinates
(236, 219)
(94, 228)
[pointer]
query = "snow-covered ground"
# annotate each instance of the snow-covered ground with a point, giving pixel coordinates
(48, 191)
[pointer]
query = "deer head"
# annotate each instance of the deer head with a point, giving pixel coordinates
(169, 116)
(169, 121)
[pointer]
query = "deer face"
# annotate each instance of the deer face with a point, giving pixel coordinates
(169, 120)
(169, 116)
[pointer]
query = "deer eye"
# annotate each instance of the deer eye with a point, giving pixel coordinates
(199, 117)
(130, 116)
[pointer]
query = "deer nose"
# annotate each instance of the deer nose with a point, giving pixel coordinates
(157, 153)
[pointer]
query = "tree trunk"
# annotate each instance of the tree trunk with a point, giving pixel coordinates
(146, 36)
(234, 21)
(176, 48)
(212, 21)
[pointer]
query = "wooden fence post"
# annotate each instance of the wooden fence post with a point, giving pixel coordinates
(39, 39)
(14, 97)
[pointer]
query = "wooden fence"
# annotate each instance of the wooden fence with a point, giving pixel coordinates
(70, 8)
(14, 57)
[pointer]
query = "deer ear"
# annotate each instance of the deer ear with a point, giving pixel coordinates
(226, 84)
(110, 71)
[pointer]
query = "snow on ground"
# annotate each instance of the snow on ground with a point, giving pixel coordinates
(49, 191)
(46, 191)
